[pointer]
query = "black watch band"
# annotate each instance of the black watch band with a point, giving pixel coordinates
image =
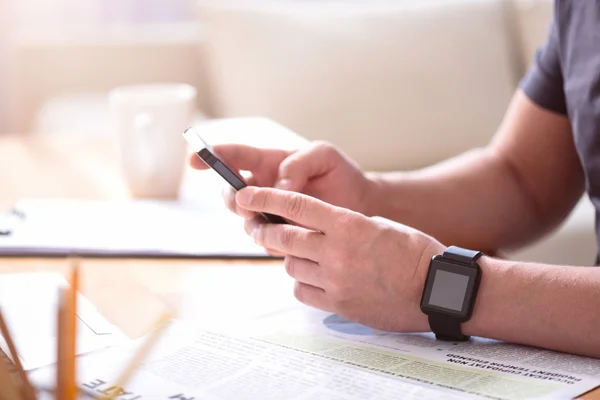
(444, 326)
(461, 255)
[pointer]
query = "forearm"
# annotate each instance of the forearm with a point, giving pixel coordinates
(554, 307)
(521, 186)
(472, 201)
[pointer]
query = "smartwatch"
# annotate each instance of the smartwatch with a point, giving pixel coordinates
(450, 291)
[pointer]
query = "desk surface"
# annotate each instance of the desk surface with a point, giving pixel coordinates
(70, 166)
(86, 167)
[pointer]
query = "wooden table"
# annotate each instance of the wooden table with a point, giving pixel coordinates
(129, 292)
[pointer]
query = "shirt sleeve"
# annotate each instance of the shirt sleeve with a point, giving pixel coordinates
(543, 82)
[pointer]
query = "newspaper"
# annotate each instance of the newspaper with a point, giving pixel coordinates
(191, 363)
(481, 367)
(306, 354)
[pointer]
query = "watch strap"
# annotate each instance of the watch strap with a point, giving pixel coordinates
(446, 328)
(461, 255)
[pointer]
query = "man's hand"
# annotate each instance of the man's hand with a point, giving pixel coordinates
(320, 170)
(368, 270)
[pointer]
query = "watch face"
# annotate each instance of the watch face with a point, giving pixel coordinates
(449, 288)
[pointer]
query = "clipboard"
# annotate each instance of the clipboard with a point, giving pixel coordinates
(123, 228)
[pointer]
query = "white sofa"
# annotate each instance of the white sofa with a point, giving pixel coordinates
(397, 85)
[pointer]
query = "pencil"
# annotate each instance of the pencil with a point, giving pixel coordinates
(8, 387)
(71, 345)
(27, 389)
(61, 344)
(142, 353)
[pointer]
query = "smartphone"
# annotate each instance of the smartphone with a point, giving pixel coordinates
(206, 154)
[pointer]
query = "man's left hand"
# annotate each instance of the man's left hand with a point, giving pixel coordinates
(368, 270)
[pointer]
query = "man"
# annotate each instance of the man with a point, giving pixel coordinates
(524, 184)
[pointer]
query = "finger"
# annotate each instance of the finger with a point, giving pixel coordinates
(275, 253)
(228, 194)
(196, 162)
(297, 169)
(297, 207)
(242, 157)
(312, 296)
(288, 239)
(305, 271)
(235, 155)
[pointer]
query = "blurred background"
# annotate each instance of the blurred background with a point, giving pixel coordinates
(59, 57)
(396, 84)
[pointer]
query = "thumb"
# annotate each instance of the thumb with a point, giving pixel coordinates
(297, 169)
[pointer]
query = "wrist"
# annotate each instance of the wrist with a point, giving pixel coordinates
(433, 249)
(374, 194)
(489, 299)
(456, 291)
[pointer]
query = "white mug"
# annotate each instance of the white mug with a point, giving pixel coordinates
(149, 120)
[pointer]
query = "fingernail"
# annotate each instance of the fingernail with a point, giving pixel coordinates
(254, 232)
(244, 197)
(284, 184)
(253, 228)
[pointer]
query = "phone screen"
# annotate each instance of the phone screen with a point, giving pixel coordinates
(229, 176)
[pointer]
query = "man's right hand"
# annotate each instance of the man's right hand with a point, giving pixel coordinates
(319, 170)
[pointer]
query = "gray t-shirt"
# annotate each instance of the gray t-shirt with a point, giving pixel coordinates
(565, 78)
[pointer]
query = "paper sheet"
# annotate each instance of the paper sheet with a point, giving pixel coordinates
(29, 302)
(127, 228)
